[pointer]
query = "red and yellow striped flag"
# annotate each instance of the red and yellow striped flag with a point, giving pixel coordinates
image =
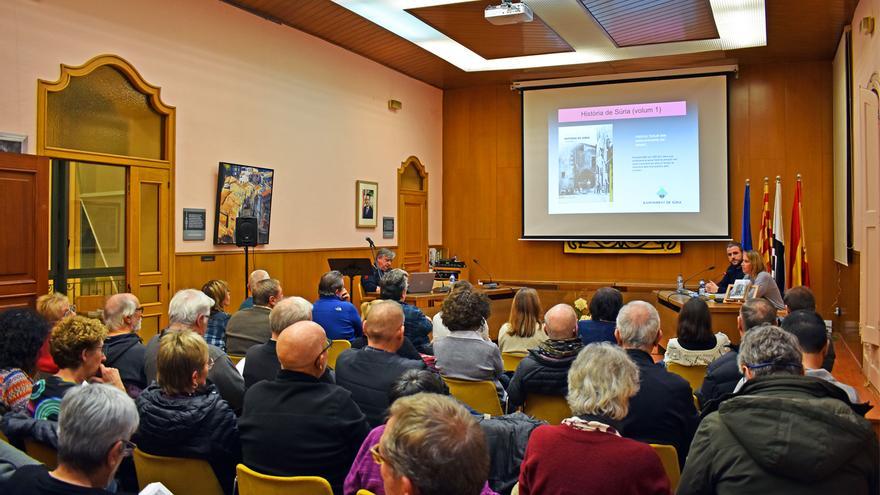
(765, 236)
(798, 267)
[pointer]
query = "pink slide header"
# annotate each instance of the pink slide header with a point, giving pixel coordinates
(617, 112)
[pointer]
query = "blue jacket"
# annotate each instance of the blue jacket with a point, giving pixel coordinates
(339, 318)
(591, 331)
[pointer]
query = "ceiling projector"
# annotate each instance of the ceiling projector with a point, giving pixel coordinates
(508, 13)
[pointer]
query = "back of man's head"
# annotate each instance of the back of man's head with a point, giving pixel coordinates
(116, 308)
(265, 289)
(256, 276)
(393, 285)
(606, 304)
(287, 312)
(809, 328)
(756, 312)
(384, 322)
(560, 322)
(187, 306)
(638, 326)
(435, 443)
(331, 282)
(300, 345)
(770, 350)
(799, 297)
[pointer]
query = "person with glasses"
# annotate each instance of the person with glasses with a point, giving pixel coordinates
(182, 415)
(95, 427)
(297, 425)
(77, 345)
(124, 348)
(53, 307)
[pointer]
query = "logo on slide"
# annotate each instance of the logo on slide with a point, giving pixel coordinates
(662, 193)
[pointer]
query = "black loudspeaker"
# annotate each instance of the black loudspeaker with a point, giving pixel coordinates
(246, 231)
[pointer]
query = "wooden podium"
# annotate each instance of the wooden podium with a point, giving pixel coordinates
(669, 304)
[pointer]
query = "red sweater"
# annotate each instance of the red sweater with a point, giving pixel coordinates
(563, 461)
(45, 363)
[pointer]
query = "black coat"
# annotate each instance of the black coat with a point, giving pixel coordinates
(722, 375)
(261, 363)
(662, 411)
(199, 426)
(296, 425)
(368, 374)
(538, 373)
(126, 353)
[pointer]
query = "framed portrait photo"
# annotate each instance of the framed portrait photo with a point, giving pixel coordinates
(366, 204)
(737, 291)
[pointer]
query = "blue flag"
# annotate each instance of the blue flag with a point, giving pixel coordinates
(746, 238)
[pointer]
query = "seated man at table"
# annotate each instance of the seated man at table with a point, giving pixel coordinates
(384, 257)
(417, 326)
(734, 270)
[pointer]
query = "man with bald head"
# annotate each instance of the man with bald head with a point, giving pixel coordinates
(662, 411)
(370, 372)
(123, 346)
(255, 277)
(297, 425)
(545, 370)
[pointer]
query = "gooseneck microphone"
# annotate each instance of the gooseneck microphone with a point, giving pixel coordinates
(490, 284)
(373, 251)
(704, 270)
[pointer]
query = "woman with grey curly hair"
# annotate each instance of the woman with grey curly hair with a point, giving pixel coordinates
(584, 454)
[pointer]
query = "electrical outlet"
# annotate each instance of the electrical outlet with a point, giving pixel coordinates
(838, 311)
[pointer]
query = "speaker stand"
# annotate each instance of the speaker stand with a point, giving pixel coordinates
(246, 271)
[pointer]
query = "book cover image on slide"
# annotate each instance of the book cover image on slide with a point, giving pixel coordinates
(586, 155)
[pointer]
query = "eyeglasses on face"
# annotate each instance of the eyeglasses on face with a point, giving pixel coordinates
(210, 363)
(71, 310)
(377, 456)
(127, 447)
(327, 347)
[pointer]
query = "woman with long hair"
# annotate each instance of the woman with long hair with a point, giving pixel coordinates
(218, 290)
(523, 330)
(695, 344)
(756, 271)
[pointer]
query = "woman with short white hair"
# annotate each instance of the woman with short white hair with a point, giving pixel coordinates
(585, 453)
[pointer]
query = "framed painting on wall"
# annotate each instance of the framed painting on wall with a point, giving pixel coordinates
(366, 204)
(243, 191)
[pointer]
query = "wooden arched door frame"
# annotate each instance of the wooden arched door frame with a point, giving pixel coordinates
(412, 214)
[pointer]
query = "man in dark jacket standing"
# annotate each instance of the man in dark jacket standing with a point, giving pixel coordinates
(123, 346)
(297, 425)
(782, 432)
(545, 370)
(662, 411)
(370, 372)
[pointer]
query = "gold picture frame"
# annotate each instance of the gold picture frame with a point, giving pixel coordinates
(738, 291)
(366, 204)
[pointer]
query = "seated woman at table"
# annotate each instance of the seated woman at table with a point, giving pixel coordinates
(695, 344)
(756, 271)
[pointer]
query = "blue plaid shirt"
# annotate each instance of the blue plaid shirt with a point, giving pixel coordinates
(216, 332)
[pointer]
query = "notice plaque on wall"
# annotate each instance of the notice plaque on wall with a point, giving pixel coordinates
(193, 224)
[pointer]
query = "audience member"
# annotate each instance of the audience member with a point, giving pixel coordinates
(182, 415)
(783, 432)
(53, 307)
(734, 269)
(440, 331)
(296, 425)
(431, 446)
(261, 361)
(218, 290)
(407, 349)
(523, 330)
(77, 346)
(723, 374)
(604, 306)
(663, 409)
(255, 277)
(189, 310)
(801, 297)
(585, 453)
(333, 311)
(545, 370)
(756, 271)
(123, 347)
(22, 333)
(370, 372)
(250, 326)
(384, 257)
(809, 328)
(695, 344)
(96, 423)
(464, 354)
(417, 326)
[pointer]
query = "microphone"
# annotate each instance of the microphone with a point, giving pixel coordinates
(372, 244)
(704, 270)
(491, 284)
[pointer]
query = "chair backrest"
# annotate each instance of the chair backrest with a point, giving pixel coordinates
(180, 475)
(511, 360)
(41, 452)
(251, 482)
(482, 396)
(235, 358)
(364, 492)
(3, 438)
(551, 408)
(693, 374)
(336, 348)
(669, 458)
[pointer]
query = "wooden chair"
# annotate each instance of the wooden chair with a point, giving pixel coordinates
(693, 374)
(41, 452)
(364, 492)
(482, 396)
(336, 348)
(511, 360)
(3, 437)
(180, 475)
(235, 358)
(551, 408)
(251, 482)
(669, 458)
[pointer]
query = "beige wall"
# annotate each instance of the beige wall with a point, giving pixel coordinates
(247, 91)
